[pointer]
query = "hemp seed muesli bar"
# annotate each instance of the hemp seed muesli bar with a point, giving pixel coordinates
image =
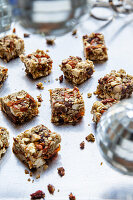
(94, 47)
(38, 64)
(99, 107)
(4, 140)
(76, 70)
(36, 146)
(117, 85)
(3, 75)
(67, 105)
(11, 46)
(19, 106)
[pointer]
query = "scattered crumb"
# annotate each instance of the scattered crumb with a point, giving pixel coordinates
(50, 41)
(26, 171)
(29, 179)
(90, 138)
(89, 95)
(37, 176)
(61, 78)
(88, 124)
(37, 195)
(47, 50)
(49, 81)
(101, 163)
(32, 181)
(39, 104)
(45, 167)
(40, 86)
(14, 30)
(51, 189)
(26, 35)
(76, 36)
(82, 145)
(94, 92)
(61, 171)
(39, 98)
(58, 190)
(72, 197)
(30, 174)
(74, 32)
(56, 79)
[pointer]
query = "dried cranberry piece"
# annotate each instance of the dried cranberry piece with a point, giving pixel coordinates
(37, 195)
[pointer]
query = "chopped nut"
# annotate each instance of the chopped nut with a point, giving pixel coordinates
(89, 95)
(40, 86)
(82, 145)
(26, 35)
(74, 32)
(90, 138)
(29, 179)
(26, 171)
(72, 197)
(37, 176)
(51, 189)
(61, 171)
(37, 195)
(61, 78)
(50, 41)
(39, 98)
(14, 30)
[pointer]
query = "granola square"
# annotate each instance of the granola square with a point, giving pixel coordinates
(99, 107)
(3, 75)
(67, 105)
(76, 70)
(94, 47)
(117, 85)
(4, 140)
(19, 106)
(36, 146)
(38, 64)
(11, 46)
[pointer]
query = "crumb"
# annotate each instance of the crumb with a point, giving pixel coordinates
(58, 190)
(72, 197)
(90, 138)
(45, 167)
(56, 79)
(61, 78)
(30, 174)
(29, 179)
(26, 171)
(45, 81)
(40, 86)
(61, 171)
(14, 30)
(74, 32)
(50, 41)
(39, 104)
(82, 145)
(37, 195)
(32, 181)
(89, 95)
(51, 189)
(26, 35)
(47, 50)
(37, 176)
(88, 124)
(101, 163)
(39, 98)
(49, 81)
(76, 36)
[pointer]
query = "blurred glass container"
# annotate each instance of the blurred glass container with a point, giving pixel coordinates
(50, 16)
(115, 136)
(5, 15)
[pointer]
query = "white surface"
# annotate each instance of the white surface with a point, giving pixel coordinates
(84, 177)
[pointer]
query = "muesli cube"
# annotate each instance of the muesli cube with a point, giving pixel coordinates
(19, 106)
(67, 105)
(76, 70)
(99, 107)
(38, 64)
(117, 85)
(4, 140)
(11, 46)
(94, 47)
(36, 146)
(3, 75)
